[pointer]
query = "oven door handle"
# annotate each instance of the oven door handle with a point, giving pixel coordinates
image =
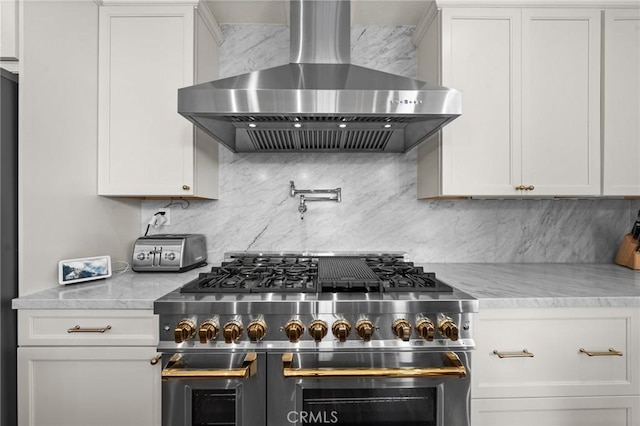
(173, 370)
(455, 370)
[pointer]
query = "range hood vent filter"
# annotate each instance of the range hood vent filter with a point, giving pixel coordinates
(320, 140)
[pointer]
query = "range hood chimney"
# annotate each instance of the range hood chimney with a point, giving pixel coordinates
(319, 101)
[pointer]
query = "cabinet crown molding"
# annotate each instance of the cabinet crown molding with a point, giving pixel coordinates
(601, 4)
(429, 15)
(201, 6)
(147, 2)
(210, 21)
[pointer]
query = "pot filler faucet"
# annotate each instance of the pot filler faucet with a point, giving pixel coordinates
(307, 195)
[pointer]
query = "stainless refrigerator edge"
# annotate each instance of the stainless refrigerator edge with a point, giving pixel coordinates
(8, 245)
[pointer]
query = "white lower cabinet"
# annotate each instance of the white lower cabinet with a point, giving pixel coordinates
(81, 386)
(110, 381)
(556, 366)
(592, 411)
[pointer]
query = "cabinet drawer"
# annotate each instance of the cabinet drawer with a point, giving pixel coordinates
(87, 328)
(610, 411)
(555, 338)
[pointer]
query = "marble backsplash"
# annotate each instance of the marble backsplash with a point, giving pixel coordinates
(379, 210)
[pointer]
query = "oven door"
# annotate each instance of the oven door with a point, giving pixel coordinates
(369, 388)
(213, 389)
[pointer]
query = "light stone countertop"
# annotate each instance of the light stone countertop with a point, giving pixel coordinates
(543, 285)
(129, 290)
(523, 285)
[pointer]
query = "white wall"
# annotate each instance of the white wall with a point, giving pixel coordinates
(60, 214)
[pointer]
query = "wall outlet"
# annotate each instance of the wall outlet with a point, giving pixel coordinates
(167, 215)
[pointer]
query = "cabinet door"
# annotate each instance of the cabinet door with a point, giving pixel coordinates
(621, 174)
(481, 58)
(596, 411)
(206, 69)
(145, 147)
(9, 30)
(88, 386)
(561, 101)
(557, 365)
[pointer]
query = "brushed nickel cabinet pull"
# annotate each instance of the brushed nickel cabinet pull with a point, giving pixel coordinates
(155, 359)
(524, 354)
(186, 187)
(529, 188)
(611, 352)
(78, 329)
(520, 188)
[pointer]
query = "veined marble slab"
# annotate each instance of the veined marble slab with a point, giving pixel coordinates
(379, 210)
(495, 285)
(130, 290)
(557, 285)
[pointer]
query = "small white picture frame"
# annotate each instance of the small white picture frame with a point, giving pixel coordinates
(71, 271)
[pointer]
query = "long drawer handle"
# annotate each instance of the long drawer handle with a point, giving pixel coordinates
(610, 352)
(78, 329)
(524, 354)
(173, 370)
(456, 370)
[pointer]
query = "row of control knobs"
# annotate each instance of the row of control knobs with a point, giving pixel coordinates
(318, 329)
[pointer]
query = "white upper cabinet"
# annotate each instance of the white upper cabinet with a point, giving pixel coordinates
(621, 170)
(9, 35)
(561, 101)
(147, 149)
(479, 152)
(530, 83)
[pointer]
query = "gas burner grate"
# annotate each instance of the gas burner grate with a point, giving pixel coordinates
(217, 282)
(286, 284)
(417, 281)
(290, 274)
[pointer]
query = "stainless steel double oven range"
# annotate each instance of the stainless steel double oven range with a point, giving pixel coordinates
(313, 338)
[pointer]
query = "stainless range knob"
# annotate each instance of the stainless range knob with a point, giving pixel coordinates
(185, 330)
(256, 330)
(425, 329)
(208, 331)
(318, 329)
(402, 328)
(232, 331)
(294, 329)
(365, 329)
(341, 329)
(448, 329)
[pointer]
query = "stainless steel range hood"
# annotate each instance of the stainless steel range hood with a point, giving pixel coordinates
(319, 102)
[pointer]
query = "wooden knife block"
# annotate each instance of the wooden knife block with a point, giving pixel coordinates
(627, 254)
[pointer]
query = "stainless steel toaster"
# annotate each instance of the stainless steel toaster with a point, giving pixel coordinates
(169, 253)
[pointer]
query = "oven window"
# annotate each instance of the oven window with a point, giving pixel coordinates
(371, 407)
(213, 407)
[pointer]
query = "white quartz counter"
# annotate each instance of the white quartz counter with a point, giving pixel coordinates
(495, 285)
